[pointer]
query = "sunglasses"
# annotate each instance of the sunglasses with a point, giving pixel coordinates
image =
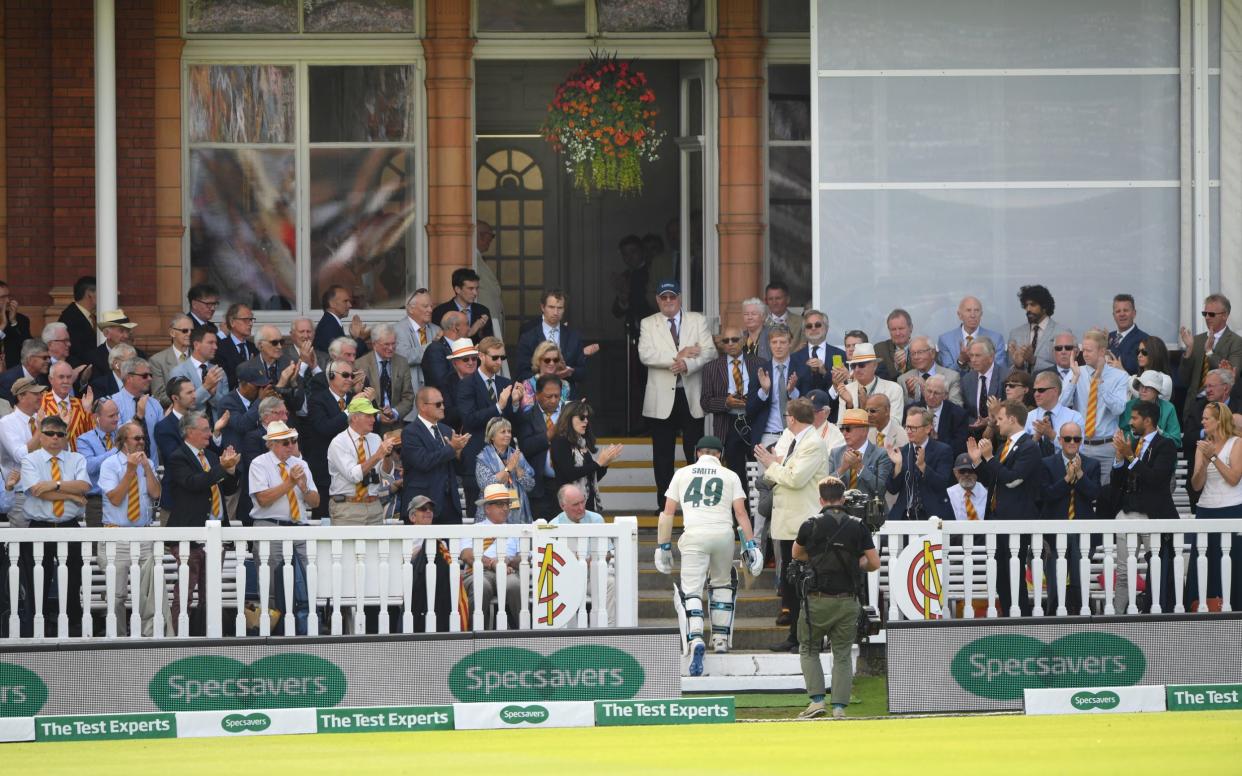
(1069, 439)
(1015, 385)
(501, 357)
(469, 359)
(346, 375)
(143, 375)
(730, 340)
(57, 434)
(286, 442)
(582, 417)
(1045, 389)
(1142, 351)
(814, 325)
(180, 331)
(276, 343)
(434, 403)
(1207, 314)
(551, 360)
(1063, 348)
(859, 366)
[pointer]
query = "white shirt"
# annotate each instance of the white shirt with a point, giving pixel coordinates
(111, 472)
(265, 474)
(38, 468)
(1060, 416)
(14, 435)
(978, 499)
(979, 386)
(343, 464)
(551, 333)
(706, 491)
(1216, 492)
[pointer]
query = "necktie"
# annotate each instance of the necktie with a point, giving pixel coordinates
(983, 396)
(245, 350)
(912, 492)
(552, 337)
(853, 478)
(1208, 341)
(782, 389)
(385, 385)
(1005, 449)
(341, 403)
(815, 351)
(271, 374)
(181, 357)
(1071, 513)
(295, 511)
(1093, 401)
(108, 441)
(422, 335)
(58, 507)
(1138, 450)
(1034, 343)
(491, 389)
(202, 372)
(64, 406)
(547, 420)
(879, 439)
(215, 489)
(926, 375)
(435, 430)
(971, 512)
(33, 430)
(133, 509)
(360, 490)
(737, 377)
(970, 338)
(672, 329)
(792, 446)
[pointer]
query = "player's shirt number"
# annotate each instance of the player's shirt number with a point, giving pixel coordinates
(705, 494)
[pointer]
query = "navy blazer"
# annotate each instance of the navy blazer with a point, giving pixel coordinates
(970, 389)
(104, 384)
(15, 373)
(1013, 486)
(571, 351)
(1127, 349)
(933, 484)
(81, 334)
(184, 474)
(328, 329)
(808, 380)
(241, 419)
(436, 367)
(476, 310)
(954, 426)
(1145, 488)
(228, 357)
(1056, 491)
(98, 359)
(428, 470)
(16, 333)
(532, 435)
(717, 381)
(476, 408)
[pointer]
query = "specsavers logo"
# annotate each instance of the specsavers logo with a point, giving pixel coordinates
(530, 715)
(240, 723)
(583, 672)
(212, 682)
(1001, 667)
(22, 692)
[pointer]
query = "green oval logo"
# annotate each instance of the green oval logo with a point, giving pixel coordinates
(1085, 701)
(22, 692)
(529, 715)
(217, 683)
(240, 723)
(1000, 667)
(578, 673)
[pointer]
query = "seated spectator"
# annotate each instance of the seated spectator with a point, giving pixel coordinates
(948, 419)
(500, 461)
(1030, 344)
(1218, 474)
(922, 366)
(436, 367)
(864, 382)
(495, 505)
(885, 430)
(894, 352)
(985, 379)
(860, 464)
(1155, 387)
(1048, 415)
(574, 512)
(422, 512)
(953, 347)
(546, 360)
(1020, 386)
(574, 455)
(33, 366)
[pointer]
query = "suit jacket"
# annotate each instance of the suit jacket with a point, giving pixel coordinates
(795, 485)
(15, 373)
(476, 310)
(477, 408)
(718, 384)
(532, 435)
(452, 415)
(185, 475)
(952, 380)
(428, 465)
(167, 438)
(105, 384)
(14, 335)
(294, 393)
(932, 484)
(436, 366)
(202, 397)
(1145, 488)
(242, 419)
(328, 329)
(953, 427)
(229, 357)
(1014, 483)
(795, 324)
(82, 337)
(970, 389)
(1043, 349)
(886, 351)
(949, 346)
(657, 350)
(1056, 492)
(401, 396)
(1127, 349)
(414, 353)
(1229, 346)
(875, 472)
(162, 366)
(99, 360)
(808, 380)
(571, 351)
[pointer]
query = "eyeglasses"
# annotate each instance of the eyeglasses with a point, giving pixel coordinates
(550, 360)
(180, 331)
(1045, 389)
(346, 375)
(1209, 314)
(583, 418)
(730, 340)
(469, 359)
(276, 343)
(57, 434)
(1063, 348)
(501, 357)
(915, 428)
(1071, 439)
(859, 366)
(873, 411)
(207, 303)
(143, 375)
(819, 325)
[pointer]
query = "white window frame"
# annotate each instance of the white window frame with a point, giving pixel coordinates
(303, 54)
(787, 49)
(420, 25)
(591, 29)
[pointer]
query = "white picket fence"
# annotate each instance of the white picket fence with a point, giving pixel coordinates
(970, 568)
(347, 569)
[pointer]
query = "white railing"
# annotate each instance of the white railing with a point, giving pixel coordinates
(969, 564)
(347, 570)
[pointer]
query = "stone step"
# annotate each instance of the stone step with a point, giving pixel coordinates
(651, 579)
(750, 603)
(749, 633)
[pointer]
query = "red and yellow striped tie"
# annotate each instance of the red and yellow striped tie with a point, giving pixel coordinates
(737, 376)
(853, 479)
(1005, 449)
(133, 509)
(1093, 402)
(360, 490)
(295, 512)
(547, 419)
(108, 441)
(1138, 449)
(422, 335)
(971, 512)
(215, 489)
(463, 600)
(58, 507)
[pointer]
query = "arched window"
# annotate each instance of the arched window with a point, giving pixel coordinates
(510, 186)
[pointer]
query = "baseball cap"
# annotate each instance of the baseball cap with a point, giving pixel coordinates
(709, 443)
(820, 399)
(668, 287)
(418, 502)
(963, 462)
(252, 373)
(26, 385)
(361, 404)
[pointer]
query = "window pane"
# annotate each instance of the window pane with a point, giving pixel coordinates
(241, 103)
(241, 16)
(362, 104)
(789, 249)
(359, 16)
(789, 173)
(789, 16)
(243, 225)
(789, 102)
(362, 214)
(650, 15)
(532, 16)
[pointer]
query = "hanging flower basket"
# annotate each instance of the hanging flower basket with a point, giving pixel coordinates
(602, 123)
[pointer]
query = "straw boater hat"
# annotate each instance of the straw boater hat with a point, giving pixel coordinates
(461, 348)
(854, 418)
(863, 352)
(494, 494)
(115, 318)
(277, 430)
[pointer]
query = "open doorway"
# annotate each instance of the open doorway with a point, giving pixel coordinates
(549, 235)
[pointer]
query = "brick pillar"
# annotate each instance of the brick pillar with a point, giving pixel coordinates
(450, 142)
(168, 224)
(739, 56)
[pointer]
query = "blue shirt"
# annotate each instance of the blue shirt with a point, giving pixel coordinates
(1060, 416)
(127, 405)
(111, 472)
(1111, 398)
(36, 468)
(91, 447)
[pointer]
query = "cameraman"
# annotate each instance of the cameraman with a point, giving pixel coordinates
(834, 548)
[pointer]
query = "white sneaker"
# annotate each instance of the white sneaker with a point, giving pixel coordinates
(838, 713)
(720, 645)
(816, 709)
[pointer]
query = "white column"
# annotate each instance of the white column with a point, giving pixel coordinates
(105, 155)
(1200, 169)
(1231, 148)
